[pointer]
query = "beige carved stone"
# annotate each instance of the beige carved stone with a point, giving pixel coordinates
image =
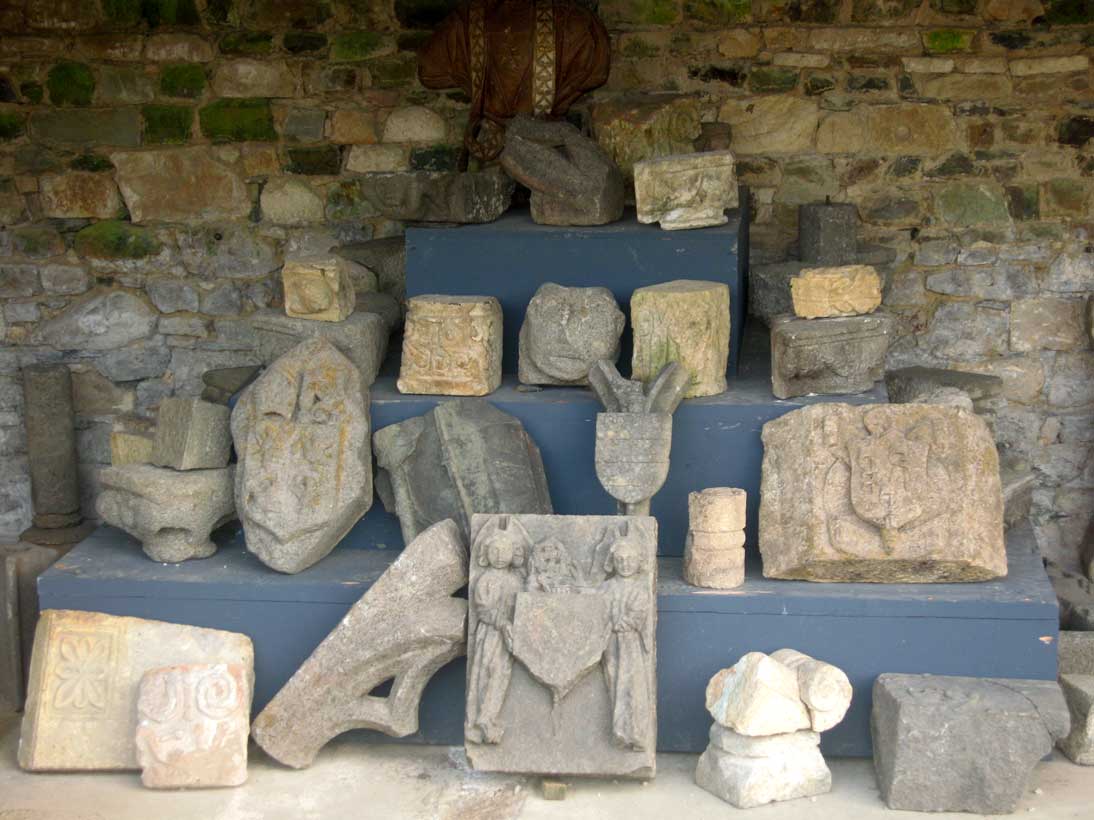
(714, 553)
(130, 448)
(321, 287)
(685, 321)
(451, 346)
(686, 190)
(906, 493)
(848, 290)
(193, 725)
(81, 711)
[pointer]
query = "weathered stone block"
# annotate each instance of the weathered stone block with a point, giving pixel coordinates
(319, 288)
(130, 448)
(685, 321)
(291, 202)
(193, 725)
(686, 190)
(406, 627)
(851, 290)
(643, 126)
(748, 772)
(362, 337)
(20, 566)
(491, 464)
(832, 356)
(81, 711)
(566, 331)
(910, 384)
(961, 744)
(302, 436)
(886, 493)
(769, 289)
(171, 512)
(207, 189)
(191, 434)
(48, 413)
(254, 78)
(426, 196)
(1076, 652)
(560, 666)
(78, 195)
(451, 346)
(714, 553)
(1079, 693)
(119, 126)
(774, 124)
(757, 696)
(825, 689)
(828, 233)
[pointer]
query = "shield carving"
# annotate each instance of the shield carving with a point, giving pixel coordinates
(632, 453)
(560, 637)
(890, 486)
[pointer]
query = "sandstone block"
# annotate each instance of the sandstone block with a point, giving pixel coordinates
(1079, 693)
(206, 189)
(130, 448)
(566, 331)
(320, 288)
(171, 512)
(303, 439)
(415, 123)
(191, 434)
(291, 202)
(368, 159)
(685, 321)
(81, 711)
(406, 627)
(961, 744)
(193, 726)
(910, 129)
(850, 290)
(775, 124)
(361, 337)
(643, 126)
(828, 356)
(79, 195)
(686, 190)
(451, 346)
(884, 493)
(757, 696)
(717, 509)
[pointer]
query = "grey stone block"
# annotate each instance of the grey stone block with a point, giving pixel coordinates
(828, 233)
(1075, 595)
(386, 258)
(908, 384)
(832, 356)
(1079, 693)
(1076, 652)
(769, 289)
(191, 434)
(361, 337)
(20, 566)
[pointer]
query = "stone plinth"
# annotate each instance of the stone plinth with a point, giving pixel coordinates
(191, 434)
(321, 288)
(828, 356)
(451, 346)
(685, 321)
(566, 331)
(686, 191)
(850, 290)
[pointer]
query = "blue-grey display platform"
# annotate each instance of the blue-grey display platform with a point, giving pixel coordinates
(1005, 628)
(715, 443)
(512, 257)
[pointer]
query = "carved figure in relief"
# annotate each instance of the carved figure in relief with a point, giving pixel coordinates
(552, 568)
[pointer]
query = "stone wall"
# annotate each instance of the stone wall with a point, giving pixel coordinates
(158, 159)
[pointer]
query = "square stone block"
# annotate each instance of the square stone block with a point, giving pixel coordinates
(130, 448)
(451, 346)
(828, 356)
(686, 190)
(828, 233)
(192, 434)
(321, 287)
(849, 290)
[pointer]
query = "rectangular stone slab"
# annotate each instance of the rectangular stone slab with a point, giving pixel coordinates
(81, 711)
(831, 356)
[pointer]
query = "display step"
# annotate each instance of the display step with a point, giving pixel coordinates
(1001, 629)
(510, 258)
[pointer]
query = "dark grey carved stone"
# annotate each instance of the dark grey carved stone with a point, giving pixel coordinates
(436, 196)
(465, 456)
(844, 354)
(406, 627)
(561, 645)
(634, 436)
(908, 384)
(828, 233)
(386, 258)
(360, 337)
(769, 289)
(962, 744)
(566, 331)
(572, 179)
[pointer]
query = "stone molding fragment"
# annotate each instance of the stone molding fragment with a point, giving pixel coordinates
(451, 346)
(825, 689)
(302, 437)
(905, 493)
(323, 287)
(566, 331)
(685, 191)
(962, 744)
(638, 127)
(81, 712)
(832, 356)
(714, 555)
(757, 696)
(1078, 745)
(463, 457)
(572, 179)
(848, 290)
(171, 512)
(191, 434)
(361, 337)
(193, 726)
(405, 627)
(438, 196)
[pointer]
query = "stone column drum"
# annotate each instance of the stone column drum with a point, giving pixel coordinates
(51, 446)
(714, 555)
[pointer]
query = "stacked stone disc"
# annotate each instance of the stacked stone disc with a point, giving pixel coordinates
(714, 554)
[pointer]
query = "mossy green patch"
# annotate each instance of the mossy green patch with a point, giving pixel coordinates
(246, 42)
(170, 13)
(32, 92)
(1023, 202)
(638, 49)
(397, 71)
(656, 12)
(182, 80)
(772, 79)
(70, 84)
(322, 160)
(91, 162)
(114, 239)
(948, 40)
(167, 124)
(122, 12)
(238, 121)
(435, 158)
(355, 45)
(346, 202)
(719, 12)
(303, 42)
(1069, 12)
(11, 125)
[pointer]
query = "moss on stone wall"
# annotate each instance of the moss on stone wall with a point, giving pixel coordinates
(249, 43)
(167, 124)
(238, 121)
(182, 80)
(11, 125)
(352, 46)
(114, 239)
(70, 84)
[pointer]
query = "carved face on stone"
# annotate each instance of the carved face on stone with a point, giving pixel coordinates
(504, 549)
(626, 557)
(574, 327)
(312, 293)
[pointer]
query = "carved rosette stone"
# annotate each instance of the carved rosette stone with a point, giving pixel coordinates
(451, 346)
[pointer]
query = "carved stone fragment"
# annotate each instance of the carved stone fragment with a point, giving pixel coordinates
(561, 645)
(451, 346)
(385, 258)
(130, 448)
(1078, 745)
(828, 356)
(81, 711)
(193, 725)
(904, 493)
(191, 434)
(172, 512)
(634, 438)
(910, 384)
(463, 457)
(566, 331)
(684, 191)
(714, 554)
(825, 689)
(321, 287)
(638, 127)
(302, 437)
(849, 290)
(406, 627)
(438, 196)
(757, 696)
(685, 321)
(961, 744)
(573, 181)
(361, 337)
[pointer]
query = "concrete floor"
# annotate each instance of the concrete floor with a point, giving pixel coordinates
(352, 779)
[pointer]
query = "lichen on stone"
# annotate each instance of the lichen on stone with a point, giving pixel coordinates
(114, 239)
(70, 84)
(238, 121)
